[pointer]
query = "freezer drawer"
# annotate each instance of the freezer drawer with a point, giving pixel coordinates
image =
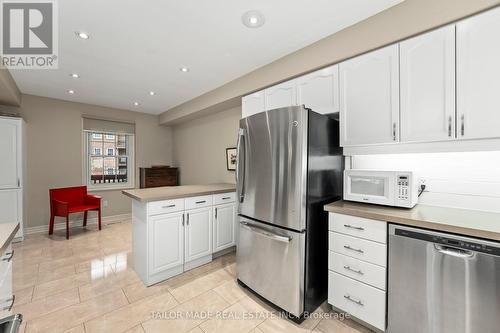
(271, 263)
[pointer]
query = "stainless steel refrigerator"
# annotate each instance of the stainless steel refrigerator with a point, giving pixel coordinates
(289, 166)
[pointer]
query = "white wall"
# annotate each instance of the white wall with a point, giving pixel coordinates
(469, 180)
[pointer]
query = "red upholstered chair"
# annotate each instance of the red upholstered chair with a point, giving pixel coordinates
(65, 201)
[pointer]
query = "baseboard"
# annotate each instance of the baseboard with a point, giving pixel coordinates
(78, 223)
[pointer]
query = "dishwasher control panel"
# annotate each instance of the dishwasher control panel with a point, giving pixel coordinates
(456, 243)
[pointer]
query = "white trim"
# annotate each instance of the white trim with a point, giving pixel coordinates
(78, 223)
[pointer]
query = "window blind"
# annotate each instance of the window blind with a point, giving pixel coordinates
(93, 124)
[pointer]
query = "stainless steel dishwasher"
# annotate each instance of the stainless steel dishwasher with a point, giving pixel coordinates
(442, 283)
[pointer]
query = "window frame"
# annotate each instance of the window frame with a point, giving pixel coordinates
(87, 154)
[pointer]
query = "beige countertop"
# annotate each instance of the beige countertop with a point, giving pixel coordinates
(460, 221)
(176, 192)
(7, 233)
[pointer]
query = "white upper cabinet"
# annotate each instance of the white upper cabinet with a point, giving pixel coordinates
(427, 66)
(198, 233)
(252, 104)
(281, 95)
(10, 138)
(478, 76)
(319, 91)
(369, 98)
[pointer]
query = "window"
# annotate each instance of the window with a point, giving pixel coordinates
(113, 170)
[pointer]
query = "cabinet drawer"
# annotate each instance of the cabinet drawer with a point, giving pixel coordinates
(358, 248)
(165, 206)
(359, 227)
(356, 269)
(358, 299)
(223, 198)
(198, 202)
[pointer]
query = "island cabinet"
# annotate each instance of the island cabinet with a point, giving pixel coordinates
(175, 235)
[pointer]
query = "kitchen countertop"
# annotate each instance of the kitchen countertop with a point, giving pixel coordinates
(176, 192)
(454, 220)
(7, 233)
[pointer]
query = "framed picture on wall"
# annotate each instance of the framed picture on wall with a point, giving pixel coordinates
(231, 155)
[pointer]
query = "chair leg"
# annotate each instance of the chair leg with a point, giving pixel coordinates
(85, 218)
(51, 224)
(99, 218)
(67, 227)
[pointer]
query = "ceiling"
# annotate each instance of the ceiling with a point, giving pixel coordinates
(139, 46)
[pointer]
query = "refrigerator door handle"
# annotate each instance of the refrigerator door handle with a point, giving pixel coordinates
(240, 166)
(266, 233)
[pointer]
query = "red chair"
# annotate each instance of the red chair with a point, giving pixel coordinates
(65, 201)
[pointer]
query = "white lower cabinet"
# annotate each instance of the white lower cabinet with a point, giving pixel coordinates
(7, 297)
(224, 226)
(198, 237)
(169, 238)
(357, 264)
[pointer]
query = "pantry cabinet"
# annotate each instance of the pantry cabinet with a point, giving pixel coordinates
(369, 98)
(281, 95)
(427, 66)
(478, 76)
(319, 91)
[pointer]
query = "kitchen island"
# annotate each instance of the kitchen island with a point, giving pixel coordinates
(178, 228)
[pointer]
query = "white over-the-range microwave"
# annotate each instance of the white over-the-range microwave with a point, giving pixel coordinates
(390, 188)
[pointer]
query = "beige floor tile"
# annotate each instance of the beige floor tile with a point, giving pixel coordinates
(180, 280)
(137, 329)
(138, 290)
(240, 317)
(47, 305)
(23, 281)
(131, 315)
(60, 285)
(200, 285)
(53, 253)
(23, 296)
(18, 269)
(77, 314)
(76, 329)
(104, 285)
(57, 273)
(181, 321)
(231, 291)
(334, 325)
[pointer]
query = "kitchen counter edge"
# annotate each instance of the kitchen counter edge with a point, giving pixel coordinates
(174, 193)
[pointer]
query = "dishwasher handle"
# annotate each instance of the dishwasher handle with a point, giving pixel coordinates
(454, 252)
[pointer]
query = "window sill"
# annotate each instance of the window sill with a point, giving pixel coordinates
(105, 188)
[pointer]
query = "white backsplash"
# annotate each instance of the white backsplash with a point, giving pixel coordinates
(468, 180)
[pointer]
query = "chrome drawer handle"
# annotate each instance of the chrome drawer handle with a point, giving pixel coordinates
(11, 300)
(353, 227)
(353, 249)
(9, 258)
(349, 298)
(354, 270)
(169, 206)
(200, 202)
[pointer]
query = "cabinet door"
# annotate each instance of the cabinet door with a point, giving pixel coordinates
(478, 76)
(369, 98)
(428, 86)
(319, 91)
(224, 226)
(10, 206)
(281, 95)
(252, 104)
(166, 247)
(10, 131)
(198, 233)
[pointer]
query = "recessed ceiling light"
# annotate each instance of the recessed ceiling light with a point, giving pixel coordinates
(71, 92)
(82, 35)
(152, 93)
(136, 104)
(184, 69)
(75, 76)
(253, 19)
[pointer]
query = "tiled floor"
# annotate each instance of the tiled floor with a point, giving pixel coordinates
(87, 284)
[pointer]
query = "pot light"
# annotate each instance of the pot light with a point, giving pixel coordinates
(71, 92)
(137, 103)
(152, 93)
(253, 19)
(75, 76)
(82, 35)
(184, 69)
